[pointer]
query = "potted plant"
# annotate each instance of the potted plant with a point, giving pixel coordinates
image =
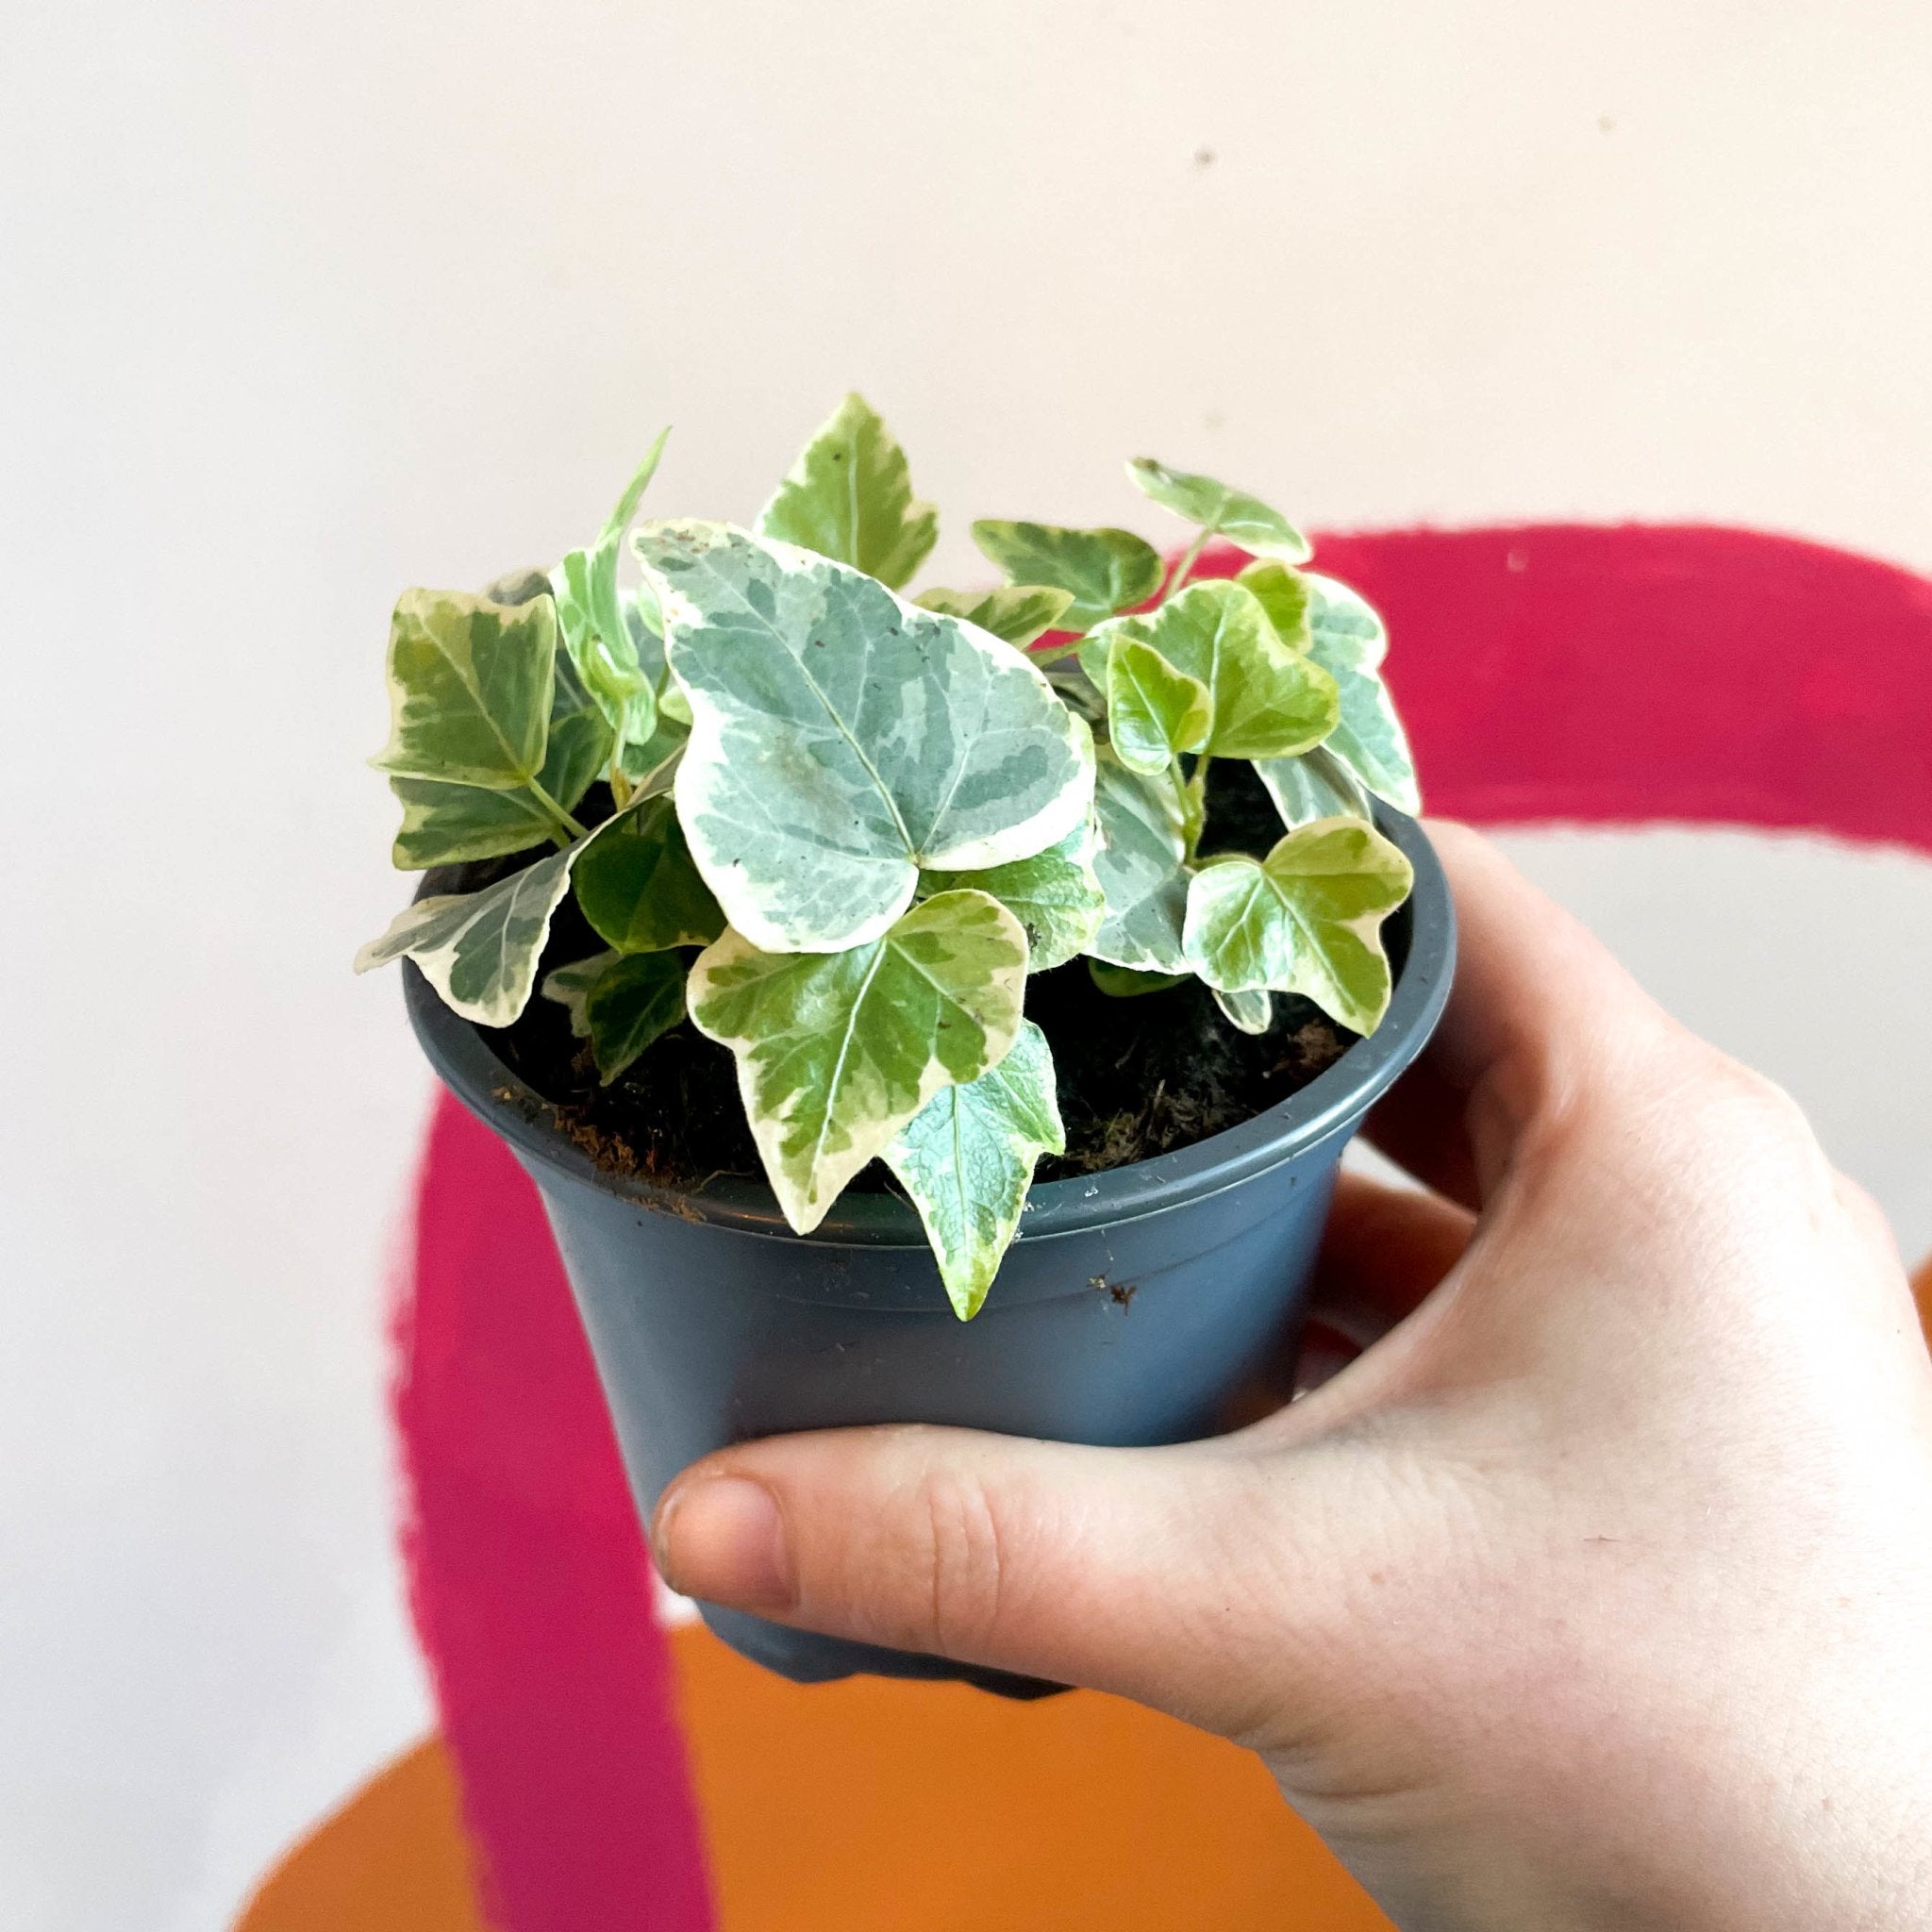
(785, 926)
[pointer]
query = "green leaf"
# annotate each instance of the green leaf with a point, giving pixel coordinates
(1286, 596)
(1124, 983)
(1315, 786)
(645, 624)
(1016, 613)
(569, 987)
(967, 1158)
(479, 950)
(634, 1001)
(843, 738)
(1141, 865)
(620, 1002)
(594, 620)
(837, 1051)
(1055, 895)
(1348, 642)
(849, 497)
(1105, 571)
(1220, 510)
(1306, 919)
(1268, 700)
(449, 825)
(1253, 1012)
(638, 887)
(469, 687)
(1153, 710)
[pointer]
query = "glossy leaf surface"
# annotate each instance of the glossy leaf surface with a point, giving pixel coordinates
(837, 1051)
(967, 1159)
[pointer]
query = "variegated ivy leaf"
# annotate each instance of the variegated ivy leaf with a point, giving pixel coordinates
(1104, 571)
(479, 950)
(1153, 710)
(1220, 510)
(594, 621)
(1017, 613)
(1315, 786)
(638, 887)
(1125, 983)
(470, 686)
(645, 624)
(1141, 868)
(1253, 1012)
(1267, 700)
(849, 497)
(967, 1158)
(1055, 895)
(620, 1002)
(837, 1051)
(569, 987)
(1285, 595)
(448, 824)
(1306, 919)
(1348, 642)
(843, 738)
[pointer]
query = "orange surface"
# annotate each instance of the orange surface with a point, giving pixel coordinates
(392, 1860)
(1922, 1286)
(867, 1805)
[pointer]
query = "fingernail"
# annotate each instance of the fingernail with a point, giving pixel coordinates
(720, 1538)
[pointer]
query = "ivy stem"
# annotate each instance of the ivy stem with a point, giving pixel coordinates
(1190, 557)
(620, 784)
(561, 820)
(1192, 793)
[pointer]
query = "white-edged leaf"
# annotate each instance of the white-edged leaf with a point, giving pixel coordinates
(450, 825)
(1267, 700)
(596, 625)
(1286, 595)
(1315, 784)
(1141, 868)
(635, 1000)
(849, 497)
(967, 1156)
(1055, 895)
(637, 885)
(1253, 1012)
(837, 1051)
(1104, 571)
(620, 1002)
(479, 950)
(843, 738)
(1153, 710)
(1347, 639)
(470, 684)
(1014, 613)
(569, 987)
(1306, 919)
(1221, 510)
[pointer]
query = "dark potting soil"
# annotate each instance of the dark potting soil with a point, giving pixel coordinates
(1137, 1077)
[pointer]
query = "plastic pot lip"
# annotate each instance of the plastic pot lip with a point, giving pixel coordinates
(1332, 1104)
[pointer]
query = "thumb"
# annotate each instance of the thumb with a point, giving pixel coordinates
(1110, 1568)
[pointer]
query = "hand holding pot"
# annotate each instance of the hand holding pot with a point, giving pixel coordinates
(1596, 1592)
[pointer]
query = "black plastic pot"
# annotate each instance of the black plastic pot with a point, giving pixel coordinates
(1134, 1302)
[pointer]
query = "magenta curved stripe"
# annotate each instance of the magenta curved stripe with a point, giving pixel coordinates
(1550, 672)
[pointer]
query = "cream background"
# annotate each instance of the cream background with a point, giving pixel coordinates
(303, 302)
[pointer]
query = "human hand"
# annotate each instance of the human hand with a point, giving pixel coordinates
(1596, 1592)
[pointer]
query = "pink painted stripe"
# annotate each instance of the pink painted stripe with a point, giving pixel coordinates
(529, 1582)
(1551, 671)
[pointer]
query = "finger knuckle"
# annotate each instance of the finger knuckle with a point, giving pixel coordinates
(962, 1556)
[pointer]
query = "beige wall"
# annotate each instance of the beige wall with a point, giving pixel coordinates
(302, 302)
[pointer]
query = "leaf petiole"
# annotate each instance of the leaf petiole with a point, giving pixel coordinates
(564, 828)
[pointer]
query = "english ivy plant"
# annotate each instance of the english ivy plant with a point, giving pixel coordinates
(835, 828)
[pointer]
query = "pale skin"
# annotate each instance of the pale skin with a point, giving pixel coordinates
(1595, 1592)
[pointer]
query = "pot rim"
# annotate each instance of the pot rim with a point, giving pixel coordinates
(1331, 1103)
